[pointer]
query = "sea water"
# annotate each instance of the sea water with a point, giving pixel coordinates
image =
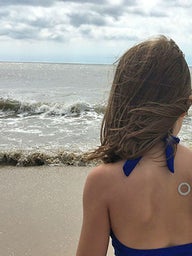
(47, 110)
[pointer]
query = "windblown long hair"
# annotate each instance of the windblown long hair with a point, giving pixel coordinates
(150, 91)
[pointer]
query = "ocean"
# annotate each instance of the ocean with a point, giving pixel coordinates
(51, 113)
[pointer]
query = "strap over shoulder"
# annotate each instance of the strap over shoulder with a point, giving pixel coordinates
(169, 151)
(170, 141)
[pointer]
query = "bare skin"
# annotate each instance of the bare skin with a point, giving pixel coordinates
(144, 210)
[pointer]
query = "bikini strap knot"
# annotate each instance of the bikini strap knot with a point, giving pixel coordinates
(170, 141)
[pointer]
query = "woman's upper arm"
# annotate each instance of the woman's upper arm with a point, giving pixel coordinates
(94, 237)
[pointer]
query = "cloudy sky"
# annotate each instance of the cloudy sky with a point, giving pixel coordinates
(88, 31)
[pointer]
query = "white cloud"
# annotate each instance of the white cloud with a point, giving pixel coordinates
(87, 24)
(26, 2)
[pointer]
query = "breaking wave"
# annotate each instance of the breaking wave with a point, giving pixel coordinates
(37, 158)
(15, 108)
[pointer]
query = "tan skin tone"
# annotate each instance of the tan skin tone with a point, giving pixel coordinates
(144, 210)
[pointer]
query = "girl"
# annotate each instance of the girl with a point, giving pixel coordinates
(141, 195)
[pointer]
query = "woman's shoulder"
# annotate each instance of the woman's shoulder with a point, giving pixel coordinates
(105, 170)
(184, 157)
(101, 177)
(185, 151)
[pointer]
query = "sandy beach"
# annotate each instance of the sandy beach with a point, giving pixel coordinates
(41, 210)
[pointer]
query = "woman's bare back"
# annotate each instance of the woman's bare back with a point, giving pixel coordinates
(145, 209)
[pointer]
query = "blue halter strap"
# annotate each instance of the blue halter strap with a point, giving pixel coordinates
(169, 151)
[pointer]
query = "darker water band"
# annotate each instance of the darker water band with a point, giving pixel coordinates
(32, 158)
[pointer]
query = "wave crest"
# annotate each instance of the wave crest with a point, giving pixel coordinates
(15, 108)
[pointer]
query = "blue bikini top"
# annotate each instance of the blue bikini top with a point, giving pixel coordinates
(179, 250)
(169, 151)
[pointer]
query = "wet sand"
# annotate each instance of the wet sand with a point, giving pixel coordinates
(41, 210)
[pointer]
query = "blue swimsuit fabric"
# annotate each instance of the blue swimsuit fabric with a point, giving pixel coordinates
(179, 250)
(169, 151)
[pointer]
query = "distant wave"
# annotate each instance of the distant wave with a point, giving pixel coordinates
(15, 108)
(37, 158)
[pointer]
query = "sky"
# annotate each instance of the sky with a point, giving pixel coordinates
(89, 31)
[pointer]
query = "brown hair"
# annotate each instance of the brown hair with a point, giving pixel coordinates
(149, 93)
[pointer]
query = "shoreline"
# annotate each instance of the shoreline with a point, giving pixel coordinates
(41, 213)
(57, 159)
